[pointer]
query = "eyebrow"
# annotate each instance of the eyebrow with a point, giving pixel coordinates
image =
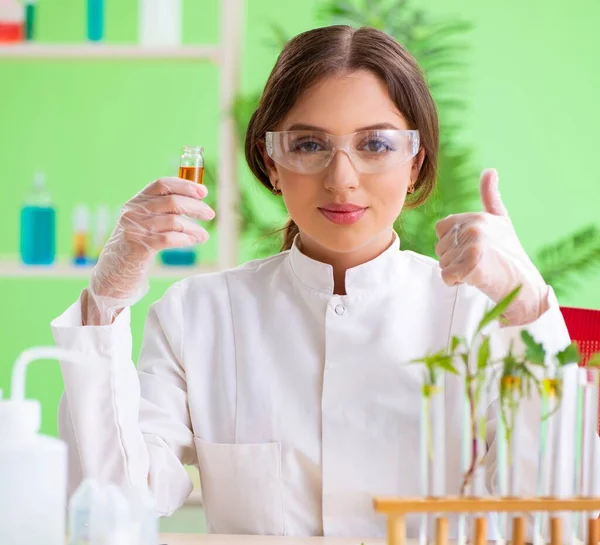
(377, 126)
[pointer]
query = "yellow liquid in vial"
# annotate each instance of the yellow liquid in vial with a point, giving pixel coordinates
(193, 174)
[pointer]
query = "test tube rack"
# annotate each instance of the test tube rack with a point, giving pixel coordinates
(395, 509)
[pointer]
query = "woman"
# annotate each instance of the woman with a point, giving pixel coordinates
(283, 379)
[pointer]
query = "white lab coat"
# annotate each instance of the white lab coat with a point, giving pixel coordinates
(296, 404)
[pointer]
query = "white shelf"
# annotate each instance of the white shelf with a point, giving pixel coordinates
(102, 51)
(13, 269)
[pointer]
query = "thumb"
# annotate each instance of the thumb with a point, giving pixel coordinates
(490, 195)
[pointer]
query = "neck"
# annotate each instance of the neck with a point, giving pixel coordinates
(342, 261)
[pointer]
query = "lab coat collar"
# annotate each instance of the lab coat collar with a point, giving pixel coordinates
(371, 276)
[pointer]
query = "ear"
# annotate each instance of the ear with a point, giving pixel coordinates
(270, 166)
(416, 166)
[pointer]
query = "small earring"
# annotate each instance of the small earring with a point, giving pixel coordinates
(276, 191)
(411, 189)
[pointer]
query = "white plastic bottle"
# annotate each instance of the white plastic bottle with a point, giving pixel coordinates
(33, 478)
(33, 467)
(160, 22)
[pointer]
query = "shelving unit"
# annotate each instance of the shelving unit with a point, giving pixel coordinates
(102, 51)
(13, 269)
(225, 55)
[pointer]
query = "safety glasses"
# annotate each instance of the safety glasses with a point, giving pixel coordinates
(371, 152)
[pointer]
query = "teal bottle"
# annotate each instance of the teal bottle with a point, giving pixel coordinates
(38, 226)
(178, 257)
(95, 20)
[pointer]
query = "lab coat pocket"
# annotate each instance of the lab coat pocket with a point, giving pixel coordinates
(241, 487)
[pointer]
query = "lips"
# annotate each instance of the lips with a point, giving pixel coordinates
(343, 214)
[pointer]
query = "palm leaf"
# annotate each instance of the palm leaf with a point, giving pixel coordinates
(561, 262)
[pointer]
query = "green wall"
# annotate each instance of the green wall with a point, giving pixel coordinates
(102, 130)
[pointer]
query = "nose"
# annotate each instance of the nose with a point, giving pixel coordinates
(341, 174)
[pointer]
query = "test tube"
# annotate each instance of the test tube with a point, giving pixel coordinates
(507, 456)
(548, 449)
(466, 452)
(432, 448)
(480, 444)
(501, 472)
(438, 461)
(588, 485)
(424, 453)
(577, 518)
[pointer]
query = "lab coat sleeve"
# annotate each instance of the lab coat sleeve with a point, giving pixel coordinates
(127, 426)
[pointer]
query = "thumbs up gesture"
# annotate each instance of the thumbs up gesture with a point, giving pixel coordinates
(482, 249)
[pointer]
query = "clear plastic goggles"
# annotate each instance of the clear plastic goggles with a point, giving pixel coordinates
(371, 152)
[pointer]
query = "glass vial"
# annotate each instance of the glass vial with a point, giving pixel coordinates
(191, 165)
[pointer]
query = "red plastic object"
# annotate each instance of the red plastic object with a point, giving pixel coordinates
(583, 325)
(11, 32)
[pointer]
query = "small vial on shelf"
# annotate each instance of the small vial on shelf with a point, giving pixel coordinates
(191, 165)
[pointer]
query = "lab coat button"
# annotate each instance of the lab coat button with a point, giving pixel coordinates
(340, 309)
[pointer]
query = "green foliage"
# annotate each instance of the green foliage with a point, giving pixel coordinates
(498, 310)
(569, 355)
(435, 365)
(594, 360)
(563, 262)
(514, 372)
(534, 351)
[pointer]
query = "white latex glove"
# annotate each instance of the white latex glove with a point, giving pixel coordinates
(155, 219)
(482, 249)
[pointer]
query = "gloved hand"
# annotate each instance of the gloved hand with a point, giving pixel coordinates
(153, 220)
(482, 250)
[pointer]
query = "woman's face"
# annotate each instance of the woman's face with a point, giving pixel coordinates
(320, 203)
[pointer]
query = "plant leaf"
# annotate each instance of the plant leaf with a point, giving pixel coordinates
(535, 352)
(446, 365)
(577, 254)
(569, 355)
(499, 309)
(594, 360)
(483, 355)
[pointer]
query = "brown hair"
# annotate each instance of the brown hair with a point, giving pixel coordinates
(322, 52)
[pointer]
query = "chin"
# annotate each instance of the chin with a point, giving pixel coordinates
(344, 241)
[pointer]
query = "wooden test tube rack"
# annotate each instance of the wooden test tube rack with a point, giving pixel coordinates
(397, 508)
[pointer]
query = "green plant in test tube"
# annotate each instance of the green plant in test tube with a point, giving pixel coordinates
(432, 433)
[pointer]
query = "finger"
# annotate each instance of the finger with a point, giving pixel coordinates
(452, 275)
(178, 224)
(171, 239)
(176, 186)
(178, 204)
(444, 225)
(449, 258)
(448, 241)
(490, 194)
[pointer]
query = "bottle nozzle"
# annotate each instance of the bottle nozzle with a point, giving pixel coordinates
(17, 388)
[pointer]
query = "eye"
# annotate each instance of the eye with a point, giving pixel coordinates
(377, 145)
(306, 146)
